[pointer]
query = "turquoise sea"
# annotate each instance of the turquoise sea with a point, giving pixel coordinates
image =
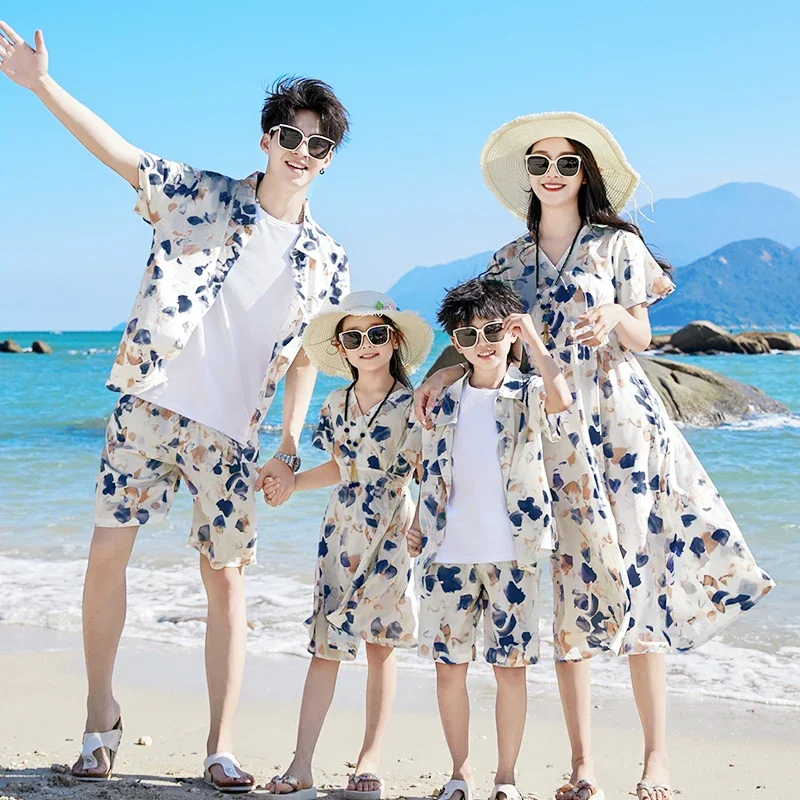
(53, 411)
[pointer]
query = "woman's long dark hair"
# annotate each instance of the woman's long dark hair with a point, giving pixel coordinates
(396, 368)
(593, 203)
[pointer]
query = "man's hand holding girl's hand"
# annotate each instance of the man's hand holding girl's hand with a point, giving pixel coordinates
(414, 541)
(276, 479)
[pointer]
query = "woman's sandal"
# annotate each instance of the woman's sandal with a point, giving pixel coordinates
(354, 794)
(453, 786)
(642, 786)
(297, 793)
(582, 790)
(92, 742)
(232, 768)
(507, 789)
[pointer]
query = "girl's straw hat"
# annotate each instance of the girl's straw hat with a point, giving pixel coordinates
(503, 164)
(320, 334)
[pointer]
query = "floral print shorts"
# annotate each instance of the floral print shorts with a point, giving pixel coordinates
(148, 449)
(452, 600)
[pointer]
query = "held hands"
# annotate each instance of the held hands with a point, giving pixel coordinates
(24, 65)
(277, 481)
(594, 326)
(414, 541)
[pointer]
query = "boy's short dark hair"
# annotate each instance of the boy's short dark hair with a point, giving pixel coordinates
(288, 95)
(485, 298)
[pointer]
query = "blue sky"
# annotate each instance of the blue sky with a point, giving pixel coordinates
(698, 94)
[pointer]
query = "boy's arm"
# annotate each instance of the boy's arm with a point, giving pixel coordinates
(29, 68)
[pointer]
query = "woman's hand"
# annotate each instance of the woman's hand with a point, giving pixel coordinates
(593, 327)
(521, 326)
(429, 392)
(414, 541)
(24, 65)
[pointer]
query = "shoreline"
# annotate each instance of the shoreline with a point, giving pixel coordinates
(724, 746)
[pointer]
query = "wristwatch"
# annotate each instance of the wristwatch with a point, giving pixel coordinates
(292, 461)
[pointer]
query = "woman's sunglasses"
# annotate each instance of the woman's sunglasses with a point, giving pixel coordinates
(566, 166)
(378, 335)
(467, 337)
(290, 138)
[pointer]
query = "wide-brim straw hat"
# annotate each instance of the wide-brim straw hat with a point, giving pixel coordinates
(320, 334)
(503, 157)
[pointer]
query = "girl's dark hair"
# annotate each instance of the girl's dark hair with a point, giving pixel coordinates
(593, 203)
(484, 298)
(396, 368)
(289, 94)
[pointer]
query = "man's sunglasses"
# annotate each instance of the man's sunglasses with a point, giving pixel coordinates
(378, 335)
(566, 166)
(468, 337)
(290, 138)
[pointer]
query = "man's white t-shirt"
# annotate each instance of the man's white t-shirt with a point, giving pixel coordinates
(217, 378)
(478, 530)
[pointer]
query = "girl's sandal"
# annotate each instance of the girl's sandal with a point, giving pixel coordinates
(666, 791)
(453, 786)
(297, 791)
(508, 790)
(582, 790)
(232, 768)
(354, 794)
(92, 742)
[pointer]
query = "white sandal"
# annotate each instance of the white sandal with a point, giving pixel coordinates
(297, 793)
(355, 794)
(94, 741)
(508, 789)
(453, 786)
(231, 767)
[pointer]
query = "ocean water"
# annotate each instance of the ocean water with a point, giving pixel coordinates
(53, 411)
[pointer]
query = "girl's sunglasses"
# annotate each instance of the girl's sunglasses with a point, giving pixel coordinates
(378, 335)
(566, 166)
(468, 337)
(290, 138)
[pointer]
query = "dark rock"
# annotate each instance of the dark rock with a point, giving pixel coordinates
(701, 336)
(10, 346)
(777, 340)
(753, 343)
(41, 347)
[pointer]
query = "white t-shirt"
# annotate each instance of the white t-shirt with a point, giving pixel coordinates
(217, 378)
(477, 530)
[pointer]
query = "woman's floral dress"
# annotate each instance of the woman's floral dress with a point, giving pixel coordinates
(363, 565)
(649, 559)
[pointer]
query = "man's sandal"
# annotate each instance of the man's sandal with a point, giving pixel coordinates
(232, 769)
(297, 791)
(666, 791)
(582, 790)
(355, 794)
(92, 742)
(453, 786)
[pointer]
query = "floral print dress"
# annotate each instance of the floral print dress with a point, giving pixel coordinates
(648, 557)
(363, 564)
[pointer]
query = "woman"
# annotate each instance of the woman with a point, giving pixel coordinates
(649, 560)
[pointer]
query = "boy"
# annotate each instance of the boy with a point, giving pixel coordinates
(484, 512)
(237, 268)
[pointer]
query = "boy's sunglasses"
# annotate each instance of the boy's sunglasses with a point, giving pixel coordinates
(290, 138)
(468, 337)
(377, 335)
(566, 166)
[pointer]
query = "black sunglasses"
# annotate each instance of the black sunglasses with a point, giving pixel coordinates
(377, 335)
(290, 138)
(566, 166)
(468, 336)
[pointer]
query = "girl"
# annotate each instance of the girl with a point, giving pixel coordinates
(363, 568)
(649, 560)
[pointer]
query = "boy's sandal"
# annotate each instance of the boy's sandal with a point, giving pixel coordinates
(297, 791)
(666, 791)
(92, 742)
(453, 786)
(582, 790)
(508, 789)
(232, 769)
(354, 794)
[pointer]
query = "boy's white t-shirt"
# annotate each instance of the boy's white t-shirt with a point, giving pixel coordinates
(478, 530)
(217, 378)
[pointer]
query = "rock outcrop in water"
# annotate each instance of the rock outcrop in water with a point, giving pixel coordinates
(705, 337)
(42, 348)
(10, 346)
(692, 395)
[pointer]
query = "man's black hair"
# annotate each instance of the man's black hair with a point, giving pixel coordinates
(485, 298)
(288, 95)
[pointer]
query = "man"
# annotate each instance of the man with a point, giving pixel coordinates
(236, 269)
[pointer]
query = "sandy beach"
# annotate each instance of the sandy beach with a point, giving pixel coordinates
(719, 748)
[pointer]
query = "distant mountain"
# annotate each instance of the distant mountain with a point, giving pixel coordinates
(752, 283)
(685, 229)
(120, 327)
(421, 289)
